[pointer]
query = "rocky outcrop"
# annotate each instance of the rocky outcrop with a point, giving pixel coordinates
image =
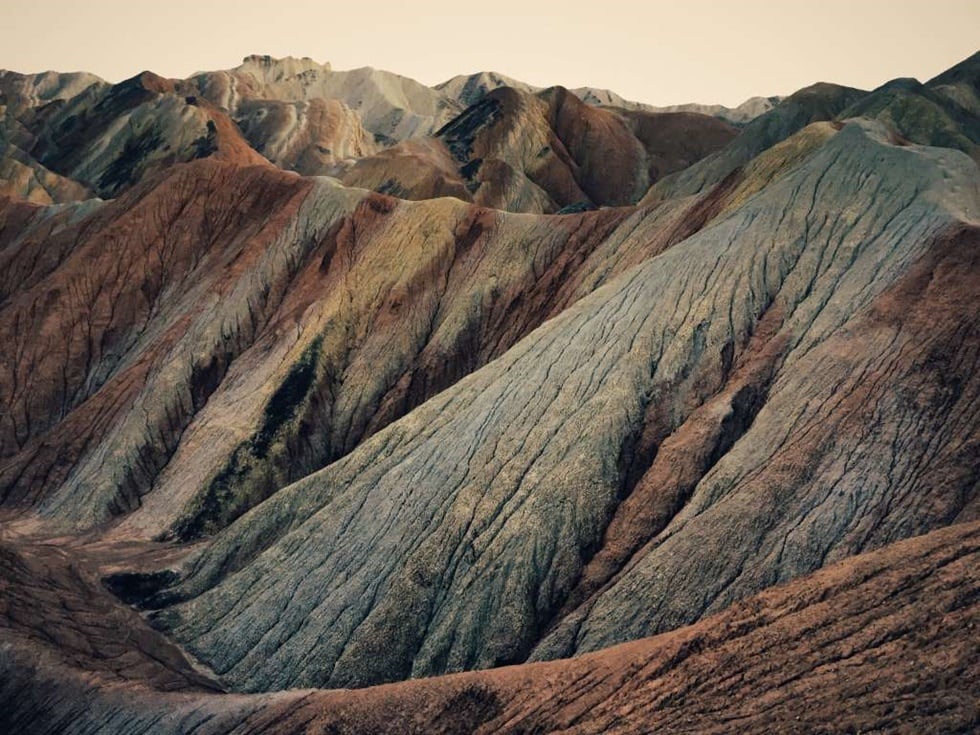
(20, 93)
(468, 89)
(23, 177)
(110, 139)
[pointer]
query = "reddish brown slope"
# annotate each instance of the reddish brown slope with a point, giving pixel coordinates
(48, 599)
(882, 643)
(84, 338)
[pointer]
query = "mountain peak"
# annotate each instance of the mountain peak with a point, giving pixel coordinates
(281, 67)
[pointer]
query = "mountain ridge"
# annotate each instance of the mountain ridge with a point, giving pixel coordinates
(546, 416)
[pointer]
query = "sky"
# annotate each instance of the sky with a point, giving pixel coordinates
(656, 52)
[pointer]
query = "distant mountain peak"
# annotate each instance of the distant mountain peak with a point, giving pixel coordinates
(281, 67)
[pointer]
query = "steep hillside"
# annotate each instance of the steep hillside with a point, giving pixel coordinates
(289, 332)
(443, 499)
(110, 138)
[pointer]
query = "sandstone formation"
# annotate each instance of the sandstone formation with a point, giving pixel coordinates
(23, 177)
(110, 139)
(105, 138)
(531, 415)
(468, 89)
(22, 92)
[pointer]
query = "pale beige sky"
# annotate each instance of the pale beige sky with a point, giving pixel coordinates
(657, 52)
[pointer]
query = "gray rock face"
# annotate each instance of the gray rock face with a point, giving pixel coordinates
(452, 539)
(21, 92)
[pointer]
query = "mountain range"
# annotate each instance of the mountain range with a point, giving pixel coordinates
(334, 402)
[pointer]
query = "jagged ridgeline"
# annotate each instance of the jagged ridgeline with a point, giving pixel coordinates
(317, 380)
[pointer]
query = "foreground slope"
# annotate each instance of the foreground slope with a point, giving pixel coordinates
(803, 657)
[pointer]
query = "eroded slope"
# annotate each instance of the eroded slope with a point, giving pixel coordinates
(452, 539)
